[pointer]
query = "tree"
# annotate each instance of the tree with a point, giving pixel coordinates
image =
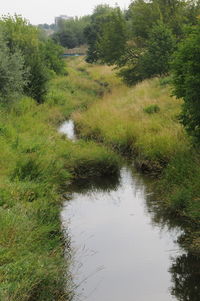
(39, 55)
(186, 79)
(19, 34)
(12, 73)
(111, 42)
(153, 60)
(52, 53)
(93, 31)
(70, 33)
(160, 47)
(143, 15)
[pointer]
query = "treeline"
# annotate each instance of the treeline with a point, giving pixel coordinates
(152, 38)
(28, 59)
(71, 33)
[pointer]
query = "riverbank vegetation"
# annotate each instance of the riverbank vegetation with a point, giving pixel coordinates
(145, 125)
(138, 117)
(37, 164)
(159, 57)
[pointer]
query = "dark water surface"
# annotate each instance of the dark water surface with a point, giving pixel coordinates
(121, 250)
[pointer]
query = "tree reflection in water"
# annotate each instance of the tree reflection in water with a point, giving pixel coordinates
(185, 272)
(185, 268)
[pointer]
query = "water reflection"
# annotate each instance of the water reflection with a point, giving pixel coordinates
(120, 251)
(185, 271)
(68, 129)
(185, 268)
(105, 184)
(125, 247)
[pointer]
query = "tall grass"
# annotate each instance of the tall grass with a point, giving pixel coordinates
(143, 122)
(121, 120)
(36, 164)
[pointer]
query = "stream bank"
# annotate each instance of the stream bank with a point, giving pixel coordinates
(122, 247)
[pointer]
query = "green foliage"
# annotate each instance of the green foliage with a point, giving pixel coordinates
(152, 109)
(154, 60)
(70, 33)
(52, 53)
(160, 47)
(143, 16)
(99, 17)
(186, 80)
(111, 42)
(174, 14)
(39, 56)
(12, 72)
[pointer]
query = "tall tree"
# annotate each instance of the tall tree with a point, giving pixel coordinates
(92, 32)
(186, 79)
(12, 72)
(112, 38)
(160, 47)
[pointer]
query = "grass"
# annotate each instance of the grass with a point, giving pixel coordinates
(36, 164)
(154, 138)
(142, 122)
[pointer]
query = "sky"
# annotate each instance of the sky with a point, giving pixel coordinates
(44, 11)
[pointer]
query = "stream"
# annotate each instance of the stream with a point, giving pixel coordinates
(122, 250)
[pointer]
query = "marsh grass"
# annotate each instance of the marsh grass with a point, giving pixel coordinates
(143, 122)
(120, 119)
(36, 163)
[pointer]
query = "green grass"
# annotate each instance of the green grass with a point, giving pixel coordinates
(36, 164)
(143, 122)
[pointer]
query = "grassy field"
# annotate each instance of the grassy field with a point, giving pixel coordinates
(142, 122)
(36, 165)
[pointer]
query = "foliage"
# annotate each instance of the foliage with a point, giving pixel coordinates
(174, 14)
(100, 15)
(152, 109)
(12, 72)
(52, 52)
(70, 33)
(160, 46)
(23, 37)
(141, 24)
(154, 60)
(186, 79)
(111, 42)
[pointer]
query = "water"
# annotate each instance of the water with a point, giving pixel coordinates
(120, 251)
(68, 127)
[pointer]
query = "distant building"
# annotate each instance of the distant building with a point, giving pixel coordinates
(62, 17)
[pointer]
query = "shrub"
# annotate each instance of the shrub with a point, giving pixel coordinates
(152, 109)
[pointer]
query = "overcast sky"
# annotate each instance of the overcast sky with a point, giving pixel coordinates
(44, 11)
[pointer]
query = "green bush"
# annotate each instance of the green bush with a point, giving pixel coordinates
(152, 109)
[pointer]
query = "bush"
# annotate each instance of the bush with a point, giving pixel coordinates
(152, 109)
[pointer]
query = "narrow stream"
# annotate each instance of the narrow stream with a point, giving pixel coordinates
(121, 252)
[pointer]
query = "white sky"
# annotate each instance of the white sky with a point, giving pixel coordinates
(44, 11)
